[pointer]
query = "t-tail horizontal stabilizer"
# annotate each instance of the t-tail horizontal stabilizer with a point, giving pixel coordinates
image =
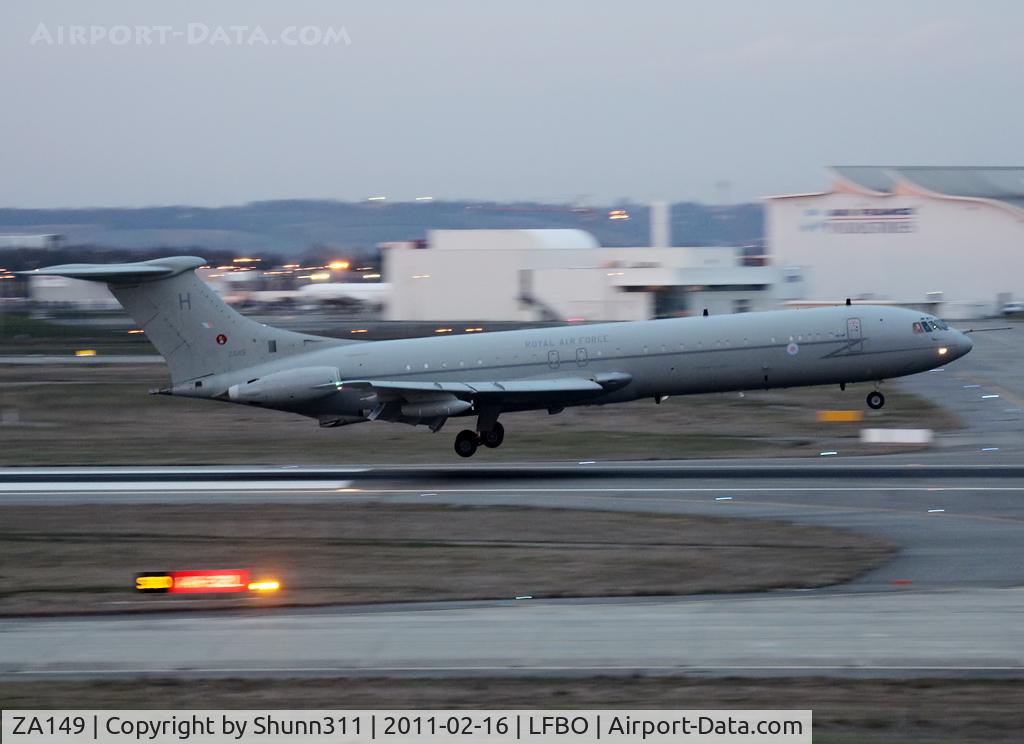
(198, 334)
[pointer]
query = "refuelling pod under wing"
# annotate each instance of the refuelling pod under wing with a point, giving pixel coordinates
(291, 387)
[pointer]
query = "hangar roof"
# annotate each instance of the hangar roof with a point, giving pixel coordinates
(999, 183)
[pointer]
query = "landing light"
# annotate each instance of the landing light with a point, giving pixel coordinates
(943, 351)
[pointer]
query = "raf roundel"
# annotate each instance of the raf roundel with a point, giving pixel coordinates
(792, 349)
(221, 339)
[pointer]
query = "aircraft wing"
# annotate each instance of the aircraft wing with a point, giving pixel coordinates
(475, 389)
(427, 399)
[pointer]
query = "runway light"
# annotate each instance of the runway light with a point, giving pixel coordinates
(153, 583)
(443, 330)
(723, 498)
(936, 511)
(209, 581)
(85, 352)
(376, 198)
(359, 330)
(828, 453)
(264, 586)
(135, 331)
(320, 277)
(424, 198)
(943, 350)
(474, 330)
(245, 259)
(618, 214)
(338, 265)
(840, 416)
(371, 276)
(988, 397)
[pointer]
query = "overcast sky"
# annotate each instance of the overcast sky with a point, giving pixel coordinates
(590, 101)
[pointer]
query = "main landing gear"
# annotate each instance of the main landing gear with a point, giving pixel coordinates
(875, 400)
(467, 442)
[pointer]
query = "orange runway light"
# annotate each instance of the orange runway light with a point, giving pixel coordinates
(264, 586)
(338, 265)
(840, 416)
(85, 352)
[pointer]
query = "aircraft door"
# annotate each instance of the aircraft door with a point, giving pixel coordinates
(553, 360)
(854, 335)
(581, 357)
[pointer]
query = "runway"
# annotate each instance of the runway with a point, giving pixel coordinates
(948, 604)
(970, 633)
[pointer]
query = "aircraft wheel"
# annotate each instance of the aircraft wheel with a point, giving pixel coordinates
(875, 400)
(494, 437)
(466, 443)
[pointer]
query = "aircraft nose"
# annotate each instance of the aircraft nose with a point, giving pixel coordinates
(964, 342)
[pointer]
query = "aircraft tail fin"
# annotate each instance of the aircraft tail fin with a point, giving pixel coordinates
(197, 333)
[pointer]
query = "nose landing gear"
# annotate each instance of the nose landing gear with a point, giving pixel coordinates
(875, 400)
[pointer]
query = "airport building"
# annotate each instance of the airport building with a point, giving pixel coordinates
(559, 275)
(951, 237)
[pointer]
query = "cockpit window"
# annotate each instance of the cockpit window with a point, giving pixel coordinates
(932, 324)
(918, 328)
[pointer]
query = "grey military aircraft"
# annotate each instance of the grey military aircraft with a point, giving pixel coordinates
(214, 352)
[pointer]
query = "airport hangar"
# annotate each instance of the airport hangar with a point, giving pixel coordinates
(949, 237)
(560, 275)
